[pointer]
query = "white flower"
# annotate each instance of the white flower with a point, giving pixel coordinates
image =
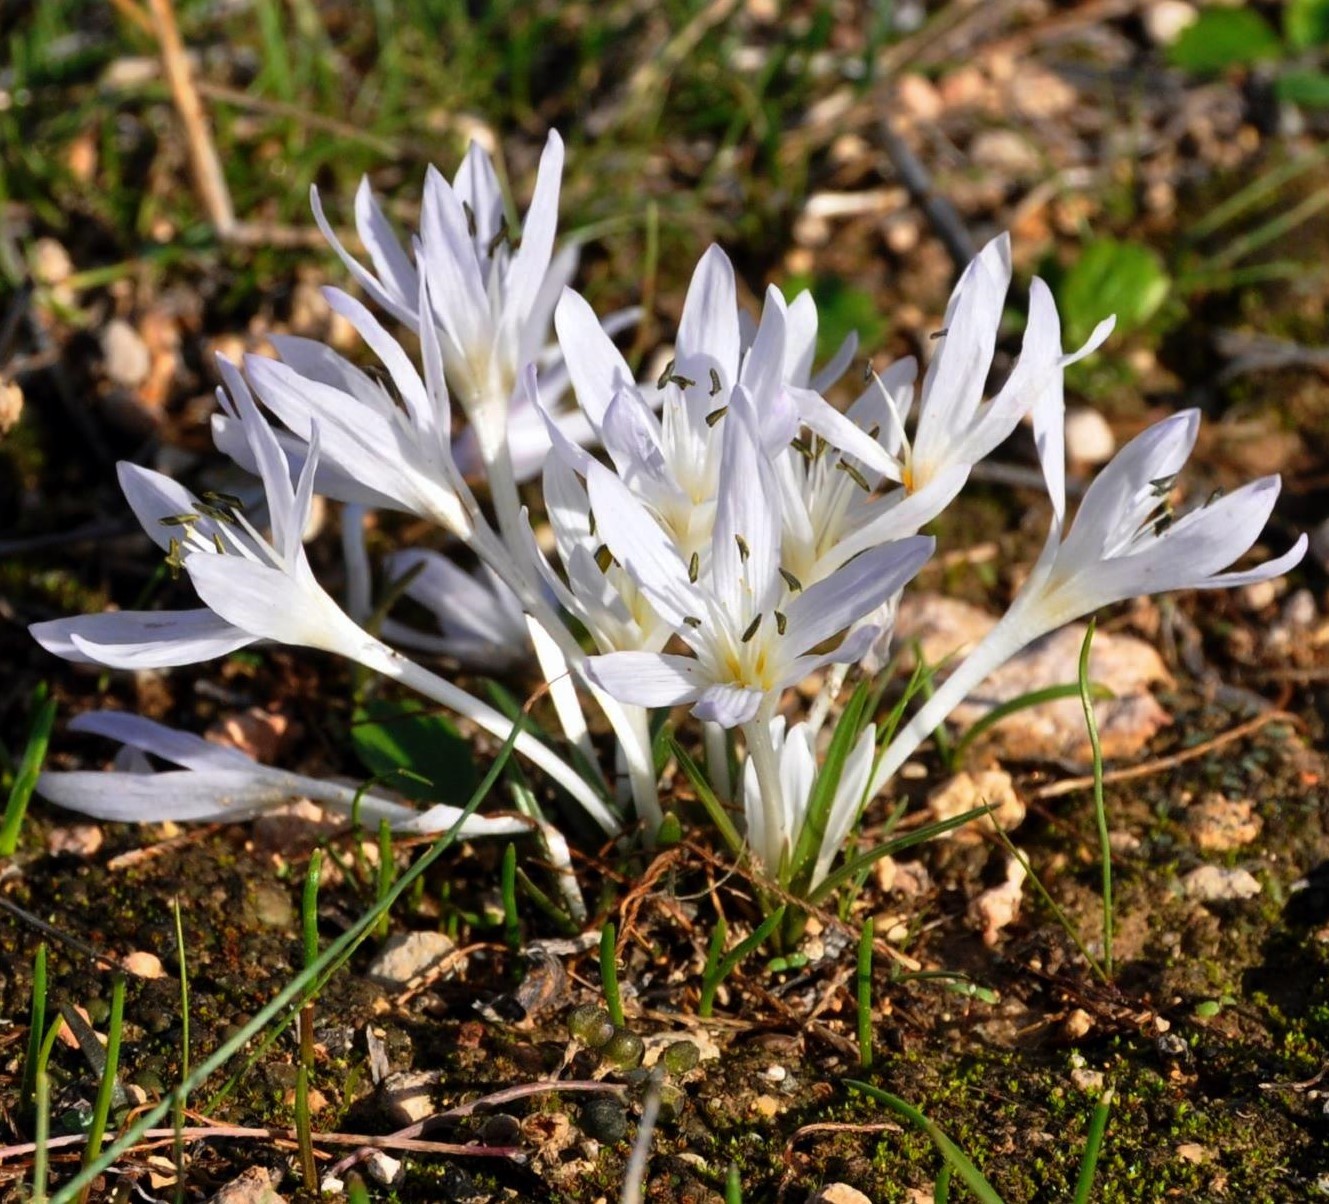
(481, 619)
(795, 750)
(254, 587)
(751, 629)
(1124, 542)
(218, 783)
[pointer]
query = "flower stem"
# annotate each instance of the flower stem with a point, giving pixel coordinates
(382, 659)
(761, 751)
(996, 648)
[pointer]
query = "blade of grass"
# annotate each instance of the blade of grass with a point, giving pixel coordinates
(864, 976)
(955, 1157)
(309, 928)
(25, 781)
(726, 964)
(309, 981)
(508, 890)
(609, 973)
(1093, 1147)
(101, 1108)
(1023, 702)
(43, 1126)
(36, 1028)
(1100, 808)
(715, 809)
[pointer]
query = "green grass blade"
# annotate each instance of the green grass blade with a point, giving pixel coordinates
(864, 976)
(955, 1157)
(1093, 1147)
(1100, 808)
(838, 877)
(25, 781)
(43, 1126)
(715, 809)
(609, 973)
(847, 732)
(733, 1186)
(1023, 702)
(718, 971)
(305, 983)
(36, 1028)
(101, 1108)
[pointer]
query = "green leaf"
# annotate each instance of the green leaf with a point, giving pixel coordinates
(1225, 37)
(1306, 23)
(1111, 277)
(1309, 89)
(401, 742)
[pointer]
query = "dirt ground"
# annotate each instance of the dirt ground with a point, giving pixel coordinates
(1078, 128)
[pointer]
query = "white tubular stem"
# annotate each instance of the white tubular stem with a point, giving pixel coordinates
(562, 688)
(632, 728)
(382, 659)
(761, 752)
(826, 696)
(716, 739)
(996, 648)
(359, 580)
(560, 861)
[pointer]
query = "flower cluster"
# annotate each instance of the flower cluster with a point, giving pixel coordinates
(714, 536)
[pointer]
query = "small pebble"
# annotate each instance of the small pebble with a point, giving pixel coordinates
(1165, 20)
(839, 1193)
(1217, 884)
(385, 1169)
(1258, 595)
(126, 355)
(604, 1118)
(680, 1057)
(408, 955)
(775, 1074)
(1089, 439)
(143, 965)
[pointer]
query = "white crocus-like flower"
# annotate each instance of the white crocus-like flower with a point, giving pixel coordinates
(1124, 542)
(481, 620)
(489, 303)
(216, 783)
(751, 631)
(256, 588)
(795, 751)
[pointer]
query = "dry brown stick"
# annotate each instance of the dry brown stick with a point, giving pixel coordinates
(1160, 764)
(203, 159)
(390, 1142)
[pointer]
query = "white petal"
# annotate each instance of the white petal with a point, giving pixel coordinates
(142, 639)
(153, 497)
(530, 263)
(181, 748)
(182, 796)
(708, 335)
(395, 270)
(647, 679)
(728, 705)
(826, 608)
(640, 545)
(597, 368)
(270, 604)
(364, 278)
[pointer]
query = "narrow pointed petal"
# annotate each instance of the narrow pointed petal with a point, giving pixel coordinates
(181, 796)
(708, 335)
(639, 544)
(838, 364)
(531, 261)
(364, 278)
(647, 679)
(597, 368)
(153, 497)
(181, 748)
(825, 609)
(396, 273)
(141, 639)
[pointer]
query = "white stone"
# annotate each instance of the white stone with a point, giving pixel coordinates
(1006, 152)
(384, 1169)
(1216, 884)
(127, 358)
(1165, 20)
(408, 955)
(1089, 439)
